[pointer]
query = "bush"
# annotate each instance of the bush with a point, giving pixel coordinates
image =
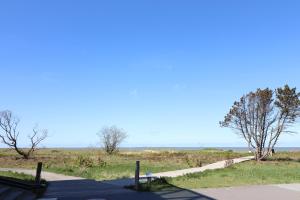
(87, 161)
(101, 162)
(193, 161)
(188, 161)
(84, 161)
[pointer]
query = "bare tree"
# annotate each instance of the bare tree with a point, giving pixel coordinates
(111, 137)
(10, 133)
(260, 119)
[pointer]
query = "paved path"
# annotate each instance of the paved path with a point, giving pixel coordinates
(88, 189)
(261, 192)
(217, 165)
(93, 190)
(9, 192)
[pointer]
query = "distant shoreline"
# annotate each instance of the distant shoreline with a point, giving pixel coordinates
(201, 148)
(238, 149)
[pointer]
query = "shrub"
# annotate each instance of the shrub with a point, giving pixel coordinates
(87, 161)
(188, 161)
(84, 161)
(101, 162)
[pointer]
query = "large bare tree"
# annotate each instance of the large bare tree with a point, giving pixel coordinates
(111, 138)
(261, 117)
(10, 134)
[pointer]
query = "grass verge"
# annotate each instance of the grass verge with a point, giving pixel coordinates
(24, 181)
(247, 173)
(20, 176)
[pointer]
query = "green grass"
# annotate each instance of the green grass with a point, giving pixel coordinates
(247, 173)
(27, 179)
(95, 164)
(15, 175)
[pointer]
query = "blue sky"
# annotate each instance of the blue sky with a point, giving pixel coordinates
(165, 71)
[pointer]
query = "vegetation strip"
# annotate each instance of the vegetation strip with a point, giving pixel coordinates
(96, 164)
(282, 168)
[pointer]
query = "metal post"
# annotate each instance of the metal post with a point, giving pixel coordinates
(148, 181)
(38, 173)
(137, 175)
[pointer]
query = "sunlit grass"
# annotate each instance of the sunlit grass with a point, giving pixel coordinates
(247, 173)
(15, 175)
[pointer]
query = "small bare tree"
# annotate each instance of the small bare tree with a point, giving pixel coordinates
(111, 138)
(10, 133)
(260, 119)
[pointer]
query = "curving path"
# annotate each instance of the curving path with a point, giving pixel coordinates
(216, 165)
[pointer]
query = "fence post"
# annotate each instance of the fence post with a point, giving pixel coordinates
(137, 175)
(38, 173)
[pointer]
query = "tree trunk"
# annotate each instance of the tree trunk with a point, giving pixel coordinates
(22, 153)
(258, 154)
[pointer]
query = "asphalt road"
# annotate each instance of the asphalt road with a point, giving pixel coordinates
(262, 192)
(89, 189)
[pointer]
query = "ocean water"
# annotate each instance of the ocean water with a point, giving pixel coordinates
(238, 149)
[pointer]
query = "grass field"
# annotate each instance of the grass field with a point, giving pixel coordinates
(282, 168)
(95, 164)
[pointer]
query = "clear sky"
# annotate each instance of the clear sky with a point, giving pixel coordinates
(165, 71)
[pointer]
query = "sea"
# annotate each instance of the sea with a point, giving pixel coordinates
(236, 149)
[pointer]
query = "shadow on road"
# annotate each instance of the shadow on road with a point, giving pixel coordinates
(90, 189)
